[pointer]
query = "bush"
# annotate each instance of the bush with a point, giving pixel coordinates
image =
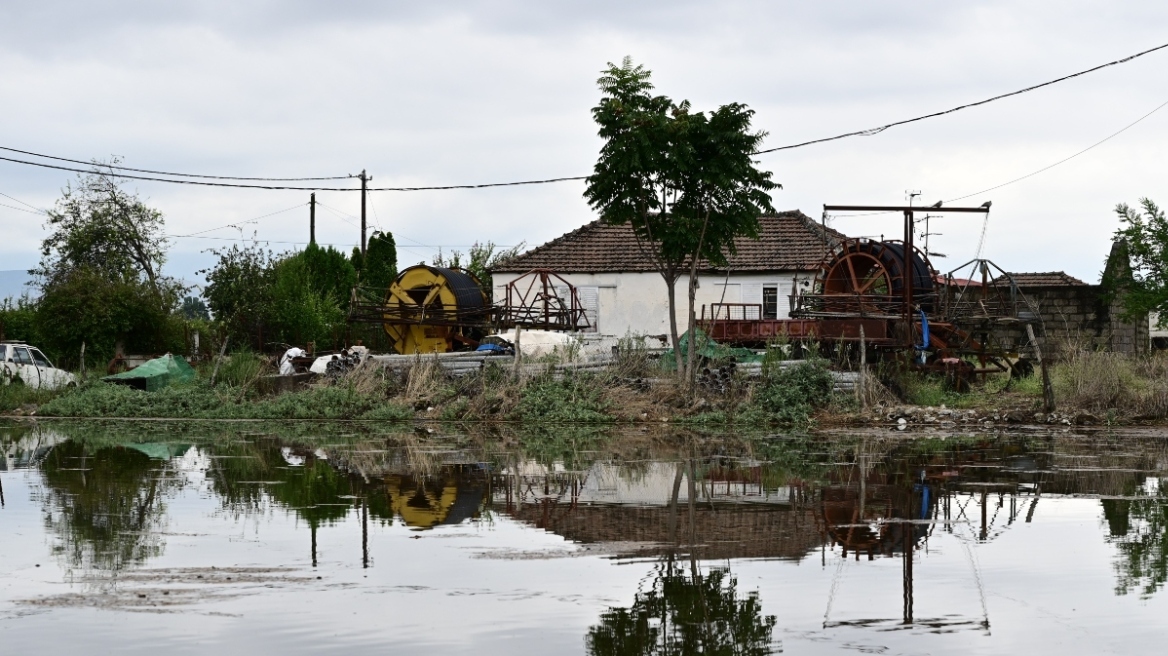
(199, 400)
(574, 398)
(790, 394)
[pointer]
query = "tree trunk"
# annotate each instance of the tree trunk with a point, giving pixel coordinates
(671, 285)
(691, 354)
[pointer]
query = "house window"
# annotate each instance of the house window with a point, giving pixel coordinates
(770, 302)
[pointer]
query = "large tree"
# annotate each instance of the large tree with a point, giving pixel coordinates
(100, 273)
(1145, 231)
(685, 181)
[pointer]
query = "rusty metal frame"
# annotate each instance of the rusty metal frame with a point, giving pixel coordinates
(531, 301)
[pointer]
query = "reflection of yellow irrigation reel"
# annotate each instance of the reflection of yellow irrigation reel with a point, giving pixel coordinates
(435, 310)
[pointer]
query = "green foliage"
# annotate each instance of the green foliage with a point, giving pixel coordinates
(329, 272)
(788, 395)
(300, 311)
(478, 261)
(242, 368)
(574, 398)
(100, 274)
(14, 397)
(1139, 531)
(1145, 233)
(679, 614)
(684, 181)
(239, 289)
(98, 226)
(201, 401)
(84, 305)
(380, 265)
(18, 320)
(295, 298)
(193, 307)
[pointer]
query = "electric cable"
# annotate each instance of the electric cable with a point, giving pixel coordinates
(1043, 169)
(177, 175)
(21, 209)
(877, 130)
(38, 210)
(867, 132)
(238, 223)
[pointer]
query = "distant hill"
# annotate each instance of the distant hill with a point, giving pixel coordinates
(12, 283)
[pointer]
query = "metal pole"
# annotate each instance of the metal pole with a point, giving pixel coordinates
(312, 218)
(908, 268)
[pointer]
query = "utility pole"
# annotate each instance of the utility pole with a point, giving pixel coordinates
(364, 190)
(312, 218)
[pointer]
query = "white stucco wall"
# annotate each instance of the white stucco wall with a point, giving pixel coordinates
(637, 303)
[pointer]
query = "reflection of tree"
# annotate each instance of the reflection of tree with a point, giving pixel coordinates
(1139, 530)
(105, 507)
(702, 614)
(245, 474)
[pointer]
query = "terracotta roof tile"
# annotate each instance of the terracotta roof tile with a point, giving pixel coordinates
(788, 241)
(1048, 279)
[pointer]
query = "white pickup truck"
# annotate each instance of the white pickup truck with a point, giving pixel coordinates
(24, 364)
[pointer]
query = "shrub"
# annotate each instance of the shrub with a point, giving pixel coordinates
(790, 394)
(573, 398)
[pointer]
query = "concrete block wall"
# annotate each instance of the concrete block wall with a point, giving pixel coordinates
(1081, 316)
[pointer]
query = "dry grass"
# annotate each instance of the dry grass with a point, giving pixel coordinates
(1113, 383)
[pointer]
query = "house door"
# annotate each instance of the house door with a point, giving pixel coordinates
(770, 302)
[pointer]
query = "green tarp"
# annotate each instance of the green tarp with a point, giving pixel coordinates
(155, 374)
(709, 349)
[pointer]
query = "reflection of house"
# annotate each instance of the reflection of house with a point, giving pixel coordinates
(623, 293)
(732, 515)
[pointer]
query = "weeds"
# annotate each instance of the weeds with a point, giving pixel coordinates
(788, 395)
(1113, 383)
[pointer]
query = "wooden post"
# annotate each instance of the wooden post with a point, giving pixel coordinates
(1047, 391)
(222, 350)
(518, 353)
(862, 381)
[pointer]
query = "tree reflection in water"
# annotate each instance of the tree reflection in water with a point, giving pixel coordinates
(1139, 529)
(685, 614)
(106, 508)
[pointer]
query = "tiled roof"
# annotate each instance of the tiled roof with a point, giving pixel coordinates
(788, 241)
(1048, 279)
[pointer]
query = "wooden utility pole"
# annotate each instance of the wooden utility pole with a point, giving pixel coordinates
(312, 218)
(364, 190)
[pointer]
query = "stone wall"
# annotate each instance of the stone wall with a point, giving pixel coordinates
(1080, 315)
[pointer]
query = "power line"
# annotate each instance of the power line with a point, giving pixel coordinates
(21, 209)
(177, 175)
(877, 130)
(238, 223)
(38, 210)
(1065, 159)
(186, 182)
(481, 186)
(1043, 169)
(858, 133)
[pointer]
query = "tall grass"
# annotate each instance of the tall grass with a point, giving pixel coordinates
(1104, 381)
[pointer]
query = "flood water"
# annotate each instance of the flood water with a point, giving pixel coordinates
(254, 538)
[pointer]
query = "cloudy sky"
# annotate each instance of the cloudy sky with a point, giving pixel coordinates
(472, 91)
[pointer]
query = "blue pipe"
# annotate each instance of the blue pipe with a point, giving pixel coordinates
(924, 333)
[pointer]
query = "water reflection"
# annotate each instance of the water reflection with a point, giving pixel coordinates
(687, 510)
(685, 613)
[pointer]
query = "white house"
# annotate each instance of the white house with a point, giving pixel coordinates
(622, 292)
